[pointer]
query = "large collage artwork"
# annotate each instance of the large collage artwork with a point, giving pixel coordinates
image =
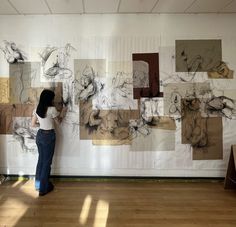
(137, 101)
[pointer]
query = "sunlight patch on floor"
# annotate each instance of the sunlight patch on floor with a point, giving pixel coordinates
(85, 210)
(7, 209)
(101, 215)
(16, 184)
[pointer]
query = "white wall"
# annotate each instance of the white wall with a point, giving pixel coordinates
(90, 35)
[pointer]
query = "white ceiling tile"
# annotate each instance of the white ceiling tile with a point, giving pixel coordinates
(136, 6)
(65, 6)
(30, 6)
(101, 6)
(6, 8)
(230, 8)
(172, 6)
(207, 6)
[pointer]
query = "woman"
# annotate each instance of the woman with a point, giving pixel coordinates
(45, 115)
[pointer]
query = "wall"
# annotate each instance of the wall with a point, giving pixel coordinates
(115, 38)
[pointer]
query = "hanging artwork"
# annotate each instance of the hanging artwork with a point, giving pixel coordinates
(113, 129)
(12, 53)
(155, 140)
(203, 134)
(24, 133)
(221, 71)
(221, 106)
(214, 148)
(152, 112)
(118, 93)
(168, 73)
(88, 74)
(140, 74)
(8, 112)
(194, 126)
(106, 125)
(146, 65)
(56, 63)
(197, 55)
(174, 92)
(21, 90)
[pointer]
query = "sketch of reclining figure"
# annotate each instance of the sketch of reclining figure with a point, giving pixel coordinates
(221, 105)
(12, 53)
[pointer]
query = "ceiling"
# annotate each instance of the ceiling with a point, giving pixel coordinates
(25, 7)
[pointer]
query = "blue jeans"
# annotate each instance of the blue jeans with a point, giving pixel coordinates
(45, 141)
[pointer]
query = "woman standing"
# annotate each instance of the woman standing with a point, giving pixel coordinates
(46, 115)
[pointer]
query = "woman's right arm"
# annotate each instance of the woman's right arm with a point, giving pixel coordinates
(34, 121)
(62, 114)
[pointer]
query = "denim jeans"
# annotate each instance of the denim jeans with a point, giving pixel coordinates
(45, 141)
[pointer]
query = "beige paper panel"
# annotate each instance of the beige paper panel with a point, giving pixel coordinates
(58, 100)
(4, 90)
(87, 120)
(115, 126)
(221, 71)
(194, 126)
(6, 119)
(197, 55)
(163, 122)
(105, 124)
(214, 149)
(112, 142)
(157, 140)
(174, 92)
(21, 77)
(204, 134)
(230, 94)
(7, 112)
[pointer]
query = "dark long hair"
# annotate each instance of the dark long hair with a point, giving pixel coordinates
(45, 100)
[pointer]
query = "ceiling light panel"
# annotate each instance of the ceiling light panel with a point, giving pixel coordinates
(137, 6)
(230, 8)
(65, 6)
(207, 6)
(6, 8)
(30, 6)
(172, 6)
(101, 6)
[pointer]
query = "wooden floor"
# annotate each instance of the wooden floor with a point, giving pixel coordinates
(118, 204)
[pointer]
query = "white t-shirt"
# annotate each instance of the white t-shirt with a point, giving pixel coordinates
(47, 123)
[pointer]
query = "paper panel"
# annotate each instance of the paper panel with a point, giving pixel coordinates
(88, 73)
(105, 124)
(56, 62)
(152, 63)
(197, 55)
(194, 126)
(111, 142)
(214, 149)
(174, 92)
(4, 91)
(21, 90)
(221, 71)
(7, 112)
(168, 73)
(118, 88)
(162, 122)
(24, 133)
(157, 140)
